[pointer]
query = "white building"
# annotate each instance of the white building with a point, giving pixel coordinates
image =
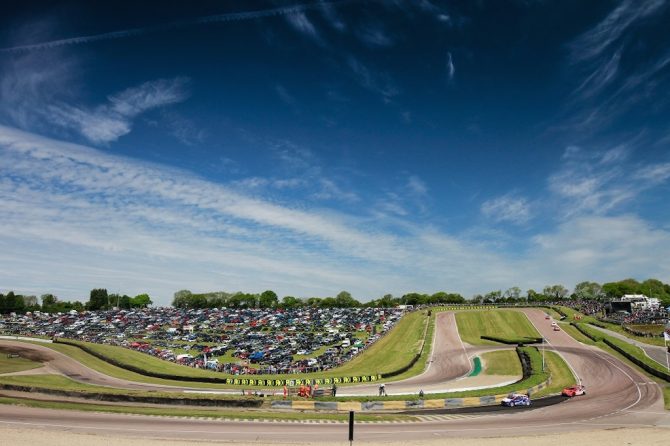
(641, 302)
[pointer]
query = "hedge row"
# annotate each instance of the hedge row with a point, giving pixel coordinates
(512, 341)
(638, 362)
(215, 380)
(585, 332)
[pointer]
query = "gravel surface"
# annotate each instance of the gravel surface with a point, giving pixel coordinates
(611, 437)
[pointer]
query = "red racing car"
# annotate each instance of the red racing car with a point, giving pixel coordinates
(574, 391)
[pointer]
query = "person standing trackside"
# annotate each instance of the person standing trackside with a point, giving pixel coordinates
(334, 391)
(382, 389)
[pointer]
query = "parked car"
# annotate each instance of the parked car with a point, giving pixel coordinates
(516, 399)
(574, 391)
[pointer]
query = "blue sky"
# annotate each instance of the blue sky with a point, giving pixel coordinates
(370, 146)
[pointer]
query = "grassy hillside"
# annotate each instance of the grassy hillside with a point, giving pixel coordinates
(507, 324)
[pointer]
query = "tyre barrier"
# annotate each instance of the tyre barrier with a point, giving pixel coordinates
(114, 397)
(251, 382)
(657, 373)
(401, 405)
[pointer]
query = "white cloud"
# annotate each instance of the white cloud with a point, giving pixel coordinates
(451, 69)
(303, 25)
(595, 41)
(76, 218)
(373, 80)
(507, 208)
(374, 36)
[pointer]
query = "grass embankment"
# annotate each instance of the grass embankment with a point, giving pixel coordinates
(561, 375)
(12, 365)
(390, 353)
(504, 362)
(504, 324)
(62, 383)
(203, 413)
(631, 349)
(658, 341)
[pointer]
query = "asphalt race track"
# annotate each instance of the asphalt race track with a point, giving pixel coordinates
(617, 396)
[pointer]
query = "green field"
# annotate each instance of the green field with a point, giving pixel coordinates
(508, 324)
(12, 365)
(503, 362)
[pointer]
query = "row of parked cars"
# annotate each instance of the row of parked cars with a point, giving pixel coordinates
(267, 341)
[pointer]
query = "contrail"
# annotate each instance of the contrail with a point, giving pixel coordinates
(229, 17)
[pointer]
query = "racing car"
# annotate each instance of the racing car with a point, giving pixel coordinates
(574, 391)
(516, 399)
(557, 328)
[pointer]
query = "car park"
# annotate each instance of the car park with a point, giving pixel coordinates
(516, 399)
(572, 391)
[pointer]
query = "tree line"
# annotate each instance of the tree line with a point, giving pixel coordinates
(100, 299)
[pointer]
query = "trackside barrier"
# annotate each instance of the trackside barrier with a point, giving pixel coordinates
(113, 397)
(251, 382)
(584, 332)
(663, 375)
(401, 405)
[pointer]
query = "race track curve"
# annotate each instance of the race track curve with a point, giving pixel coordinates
(618, 396)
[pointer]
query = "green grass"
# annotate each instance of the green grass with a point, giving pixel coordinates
(666, 396)
(208, 413)
(58, 382)
(503, 362)
(561, 375)
(12, 365)
(576, 334)
(508, 324)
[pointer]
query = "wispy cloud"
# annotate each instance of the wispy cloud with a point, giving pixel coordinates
(373, 80)
(508, 208)
(120, 223)
(597, 183)
(108, 122)
(451, 69)
(374, 36)
(301, 23)
(608, 32)
(284, 95)
(295, 12)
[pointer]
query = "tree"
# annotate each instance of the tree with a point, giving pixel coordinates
(492, 297)
(99, 299)
(588, 290)
(513, 293)
(181, 299)
(345, 300)
(268, 299)
(290, 302)
(555, 292)
(48, 302)
(140, 301)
